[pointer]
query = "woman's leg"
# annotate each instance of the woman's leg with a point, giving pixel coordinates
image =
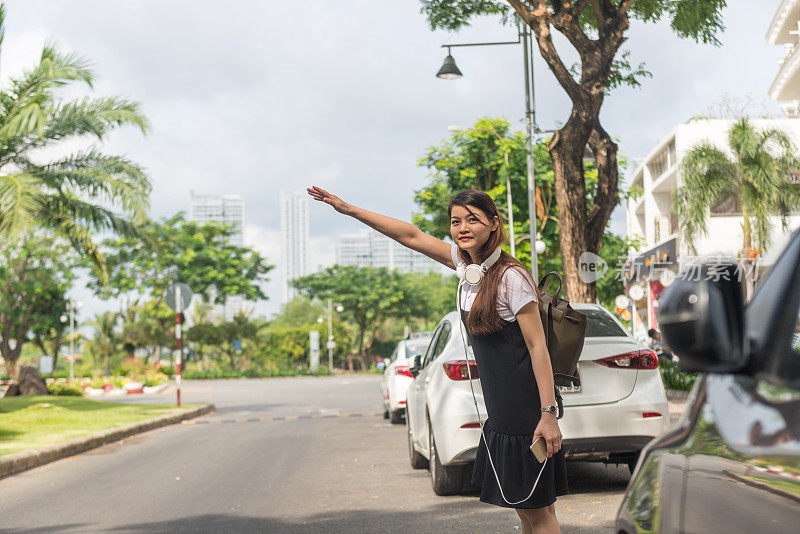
(542, 520)
(526, 527)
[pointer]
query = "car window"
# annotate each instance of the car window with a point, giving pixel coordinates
(772, 317)
(415, 351)
(429, 350)
(444, 336)
(393, 357)
(790, 367)
(600, 324)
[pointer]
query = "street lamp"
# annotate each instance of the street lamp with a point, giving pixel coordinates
(449, 71)
(331, 343)
(508, 178)
(72, 305)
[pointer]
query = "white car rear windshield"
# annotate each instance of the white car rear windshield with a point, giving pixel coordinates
(600, 324)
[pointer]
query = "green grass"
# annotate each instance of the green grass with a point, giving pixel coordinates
(35, 422)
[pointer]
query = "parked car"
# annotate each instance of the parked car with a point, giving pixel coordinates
(619, 406)
(397, 377)
(732, 463)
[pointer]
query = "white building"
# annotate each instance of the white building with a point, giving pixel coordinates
(228, 210)
(224, 209)
(653, 215)
(370, 248)
(294, 240)
(785, 30)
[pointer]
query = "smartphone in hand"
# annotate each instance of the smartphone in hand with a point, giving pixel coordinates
(539, 449)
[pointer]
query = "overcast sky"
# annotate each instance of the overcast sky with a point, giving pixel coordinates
(251, 97)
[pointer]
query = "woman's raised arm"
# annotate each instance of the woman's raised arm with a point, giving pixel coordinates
(404, 233)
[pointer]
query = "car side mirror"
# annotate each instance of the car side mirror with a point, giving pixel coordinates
(702, 320)
(415, 367)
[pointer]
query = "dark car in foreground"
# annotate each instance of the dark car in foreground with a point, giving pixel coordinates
(732, 463)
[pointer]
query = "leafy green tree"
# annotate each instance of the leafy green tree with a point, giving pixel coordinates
(222, 336)
(369, 295)
(300, 311)
(287, 345)
(78, 194)
(48, 320)
(595, 29)
(754, 180)
(142, 328)
(107, 340)
(174, 249)
(476, 159)
(34, 276)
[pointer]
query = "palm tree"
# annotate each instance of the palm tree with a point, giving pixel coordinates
(76, 195)
(107, 340)
(755, 178)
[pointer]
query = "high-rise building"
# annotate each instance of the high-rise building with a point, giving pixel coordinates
(228, 210)
(294, 240)
(373, 249)
(224, 209)
(785, 30)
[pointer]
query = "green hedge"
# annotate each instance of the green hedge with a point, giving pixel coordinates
(673, 377)
(191, 374)
(70, 389)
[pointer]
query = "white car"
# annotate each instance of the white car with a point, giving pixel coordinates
(397, 377)
(618, 408)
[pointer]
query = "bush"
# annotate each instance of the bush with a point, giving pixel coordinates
(673, 377)
(167, 370)
(266, 372)
(72, 389)
(154, 380)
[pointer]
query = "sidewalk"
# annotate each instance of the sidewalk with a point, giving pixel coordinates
(676, 401)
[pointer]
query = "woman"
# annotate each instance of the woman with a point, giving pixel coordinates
(505, 330)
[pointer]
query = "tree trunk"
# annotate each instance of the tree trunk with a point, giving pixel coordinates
(581, 227)
(108, 364)
(570, 188)
(11, 369)
(57, 347)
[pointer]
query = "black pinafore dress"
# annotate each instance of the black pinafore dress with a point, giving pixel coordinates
(512, 402)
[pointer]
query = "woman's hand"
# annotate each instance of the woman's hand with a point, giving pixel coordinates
(323, 196)
(550, 433)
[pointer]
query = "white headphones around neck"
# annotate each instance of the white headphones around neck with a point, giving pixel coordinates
(473, 273)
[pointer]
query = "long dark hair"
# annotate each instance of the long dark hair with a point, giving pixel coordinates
(483, 317)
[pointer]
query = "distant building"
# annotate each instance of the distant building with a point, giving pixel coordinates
(785, 30)
(228, 210)
(224, 209)
(294, 240)
(373, 249)
(653, 215)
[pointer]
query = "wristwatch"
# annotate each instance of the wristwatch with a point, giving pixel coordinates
(549, 409)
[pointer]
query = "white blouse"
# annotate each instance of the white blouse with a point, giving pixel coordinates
(515, 291)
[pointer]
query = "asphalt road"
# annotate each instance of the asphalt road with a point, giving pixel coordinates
(306, 454)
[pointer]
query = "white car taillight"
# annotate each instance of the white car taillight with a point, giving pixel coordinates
(457, 370)
(403, 370)
(637, 359)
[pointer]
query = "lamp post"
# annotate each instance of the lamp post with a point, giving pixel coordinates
(331, 343)
(450, 71)
(508, 179)
(72, 305)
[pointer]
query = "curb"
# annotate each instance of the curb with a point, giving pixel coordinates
(677, 396)
(22, 461)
